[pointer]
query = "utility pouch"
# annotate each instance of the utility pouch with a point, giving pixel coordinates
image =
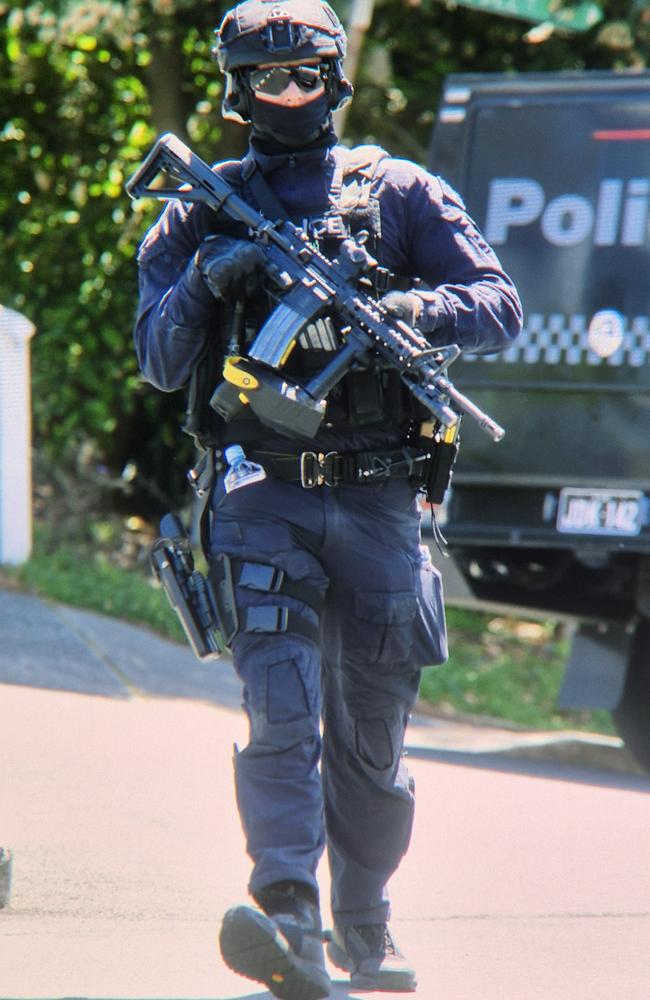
(188, 591)
(438, 471)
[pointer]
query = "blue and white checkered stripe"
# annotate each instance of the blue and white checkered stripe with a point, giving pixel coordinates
(563, 340)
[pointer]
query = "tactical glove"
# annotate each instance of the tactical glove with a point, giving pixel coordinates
(229, 267)
(403, 305)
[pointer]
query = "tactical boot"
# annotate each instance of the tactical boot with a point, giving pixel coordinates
(281, 945)
(369, 953)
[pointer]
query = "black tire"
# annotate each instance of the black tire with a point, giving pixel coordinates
(632, 716)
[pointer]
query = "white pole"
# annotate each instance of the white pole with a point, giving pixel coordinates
(15, 437)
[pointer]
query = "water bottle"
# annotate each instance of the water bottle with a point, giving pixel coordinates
(241, 472)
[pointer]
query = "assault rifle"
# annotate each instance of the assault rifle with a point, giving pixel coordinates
(307, 286)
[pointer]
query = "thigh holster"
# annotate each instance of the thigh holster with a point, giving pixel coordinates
(228, 574)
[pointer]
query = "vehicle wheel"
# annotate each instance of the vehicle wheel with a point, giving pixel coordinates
(632, 716)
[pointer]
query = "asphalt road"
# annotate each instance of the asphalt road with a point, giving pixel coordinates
(526, 879)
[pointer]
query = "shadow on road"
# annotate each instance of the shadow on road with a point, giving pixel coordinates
(57, 647)
(535, 768)
(339, 992)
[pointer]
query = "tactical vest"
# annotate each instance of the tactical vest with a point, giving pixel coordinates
(363, 398)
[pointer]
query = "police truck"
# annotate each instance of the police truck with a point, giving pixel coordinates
(555, 519)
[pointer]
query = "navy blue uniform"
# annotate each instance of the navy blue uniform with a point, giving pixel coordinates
(379, 616)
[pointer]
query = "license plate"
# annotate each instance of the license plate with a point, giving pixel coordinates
(600, 512)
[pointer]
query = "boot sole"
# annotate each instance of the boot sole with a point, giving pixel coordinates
(388, 981)
(252, 946)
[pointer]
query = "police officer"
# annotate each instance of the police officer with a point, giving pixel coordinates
(338, 603)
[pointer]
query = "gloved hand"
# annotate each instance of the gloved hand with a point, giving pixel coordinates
(403, 305)
(229, 267)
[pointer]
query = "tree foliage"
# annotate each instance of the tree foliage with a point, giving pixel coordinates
(77, 87)
(85, 87)
(414, 44)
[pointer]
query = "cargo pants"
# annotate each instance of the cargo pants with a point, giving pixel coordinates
(361, 612)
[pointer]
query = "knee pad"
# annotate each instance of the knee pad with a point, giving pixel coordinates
(378, 738)
(282, 690)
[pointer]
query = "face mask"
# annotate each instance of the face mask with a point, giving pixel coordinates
(291, 126)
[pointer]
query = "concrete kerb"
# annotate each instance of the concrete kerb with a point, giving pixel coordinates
(55, 646)
(456, 739)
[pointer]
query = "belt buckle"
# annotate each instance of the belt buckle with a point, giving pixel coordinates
(328, 468)
(318, 469)
(311, 471)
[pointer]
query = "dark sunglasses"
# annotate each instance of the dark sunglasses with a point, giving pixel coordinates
(274, 79)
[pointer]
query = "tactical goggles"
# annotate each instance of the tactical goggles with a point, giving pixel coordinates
(273, 81)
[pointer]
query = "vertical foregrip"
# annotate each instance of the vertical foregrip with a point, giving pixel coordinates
(333, 372)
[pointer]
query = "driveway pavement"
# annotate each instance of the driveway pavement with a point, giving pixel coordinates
(117, 801)
(57, 647)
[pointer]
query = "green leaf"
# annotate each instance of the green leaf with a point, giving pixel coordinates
(14, 50)
(87, 43)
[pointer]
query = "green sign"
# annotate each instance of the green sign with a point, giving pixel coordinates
(579, 16)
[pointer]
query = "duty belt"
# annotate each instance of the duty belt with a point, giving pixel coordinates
(311, 468)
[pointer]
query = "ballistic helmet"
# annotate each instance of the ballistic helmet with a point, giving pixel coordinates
(279, 32)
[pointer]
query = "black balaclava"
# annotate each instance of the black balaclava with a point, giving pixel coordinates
(291, 126)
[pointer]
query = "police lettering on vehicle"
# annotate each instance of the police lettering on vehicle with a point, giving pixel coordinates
(618, 216)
